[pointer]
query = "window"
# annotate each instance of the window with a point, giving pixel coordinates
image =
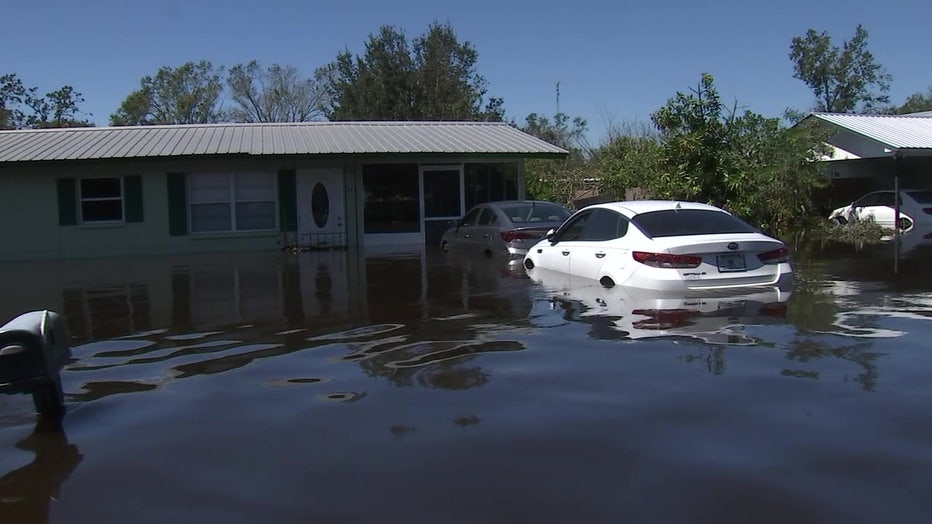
(232, 202)
(101, 199)
(573, 230)
(392, 193)
(605, 225)
(470, 218)
(681, 222)
(487, 217)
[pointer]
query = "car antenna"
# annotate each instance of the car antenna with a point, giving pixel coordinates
(677, 206)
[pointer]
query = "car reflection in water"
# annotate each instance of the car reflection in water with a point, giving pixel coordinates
(715, 316)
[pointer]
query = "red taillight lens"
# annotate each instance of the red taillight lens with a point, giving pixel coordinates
(776, 256)
(927, 210)
(511, 236)
(666, 260)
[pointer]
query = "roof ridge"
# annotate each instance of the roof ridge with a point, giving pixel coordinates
(338, 123)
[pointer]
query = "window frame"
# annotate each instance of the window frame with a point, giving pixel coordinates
(81, 200)
(232, 202)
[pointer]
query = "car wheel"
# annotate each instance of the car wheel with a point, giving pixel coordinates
(905, 223)
(839, 220)
(607, 282)
(445, 246)
(528, 263)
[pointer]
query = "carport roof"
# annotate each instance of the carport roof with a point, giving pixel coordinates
(305, 138)
(897, 132)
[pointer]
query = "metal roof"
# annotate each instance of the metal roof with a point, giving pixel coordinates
(305, 138)
(896, 131)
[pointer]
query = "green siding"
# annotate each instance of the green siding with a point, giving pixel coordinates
(132, 188)
(67, 202)
(177, 204)
(287, 200)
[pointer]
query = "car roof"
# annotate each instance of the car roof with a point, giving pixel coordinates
(631, 208)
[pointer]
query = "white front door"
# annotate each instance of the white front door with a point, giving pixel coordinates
(321, 216)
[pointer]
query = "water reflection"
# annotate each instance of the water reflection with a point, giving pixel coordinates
(397, 361)
(626, 313)
(25, 493)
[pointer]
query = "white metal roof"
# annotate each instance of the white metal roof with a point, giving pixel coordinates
(897, 131)
(305, 138)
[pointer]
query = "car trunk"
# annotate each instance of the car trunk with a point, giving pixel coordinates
(727, 260)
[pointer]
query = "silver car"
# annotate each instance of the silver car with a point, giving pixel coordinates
(508, 227)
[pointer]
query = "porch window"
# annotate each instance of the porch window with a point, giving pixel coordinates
(392, 198)
(101, 200)
(490, 183)
(221, 202)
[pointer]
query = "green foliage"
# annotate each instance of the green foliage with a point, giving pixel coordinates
(188, 94)
(751, 165)
(843, 79)
(915, 103)
(557, 180)
(697, 157)
(22, 107)
(433, 78)
(626, 163)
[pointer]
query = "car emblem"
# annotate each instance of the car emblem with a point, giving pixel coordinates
(732, 246)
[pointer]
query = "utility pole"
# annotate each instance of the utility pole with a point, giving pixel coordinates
(558, 97)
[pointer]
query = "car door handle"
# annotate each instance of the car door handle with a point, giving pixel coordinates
(566, 253)
(466, 235)
(485, 236)
(600, 255)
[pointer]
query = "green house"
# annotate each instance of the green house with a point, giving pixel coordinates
(89, 192)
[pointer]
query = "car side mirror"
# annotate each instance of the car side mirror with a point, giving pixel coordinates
(550, 233)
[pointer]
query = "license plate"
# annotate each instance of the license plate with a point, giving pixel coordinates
(731, 262)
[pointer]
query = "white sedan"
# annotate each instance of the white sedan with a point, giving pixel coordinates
(662, 245)
(879, 207)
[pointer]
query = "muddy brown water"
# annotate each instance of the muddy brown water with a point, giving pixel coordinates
(376, 387)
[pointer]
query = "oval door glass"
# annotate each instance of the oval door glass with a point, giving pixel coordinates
(320, 205)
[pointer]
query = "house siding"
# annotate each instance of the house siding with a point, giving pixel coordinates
(32, 203)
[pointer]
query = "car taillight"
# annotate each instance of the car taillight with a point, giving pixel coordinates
(776, 256)
(666, 260)
(511, 236)
(927, 210)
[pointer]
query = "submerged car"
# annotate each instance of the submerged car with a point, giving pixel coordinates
(505, 228)
(879, 207)
(662, 245)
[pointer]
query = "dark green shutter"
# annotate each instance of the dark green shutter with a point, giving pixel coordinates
(177, 205)
(132, 189)
(67, 202)
(287, 200)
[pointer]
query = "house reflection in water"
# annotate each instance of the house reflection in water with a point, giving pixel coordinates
(316, 290)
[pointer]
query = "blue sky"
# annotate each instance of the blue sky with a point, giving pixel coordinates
(616, 61)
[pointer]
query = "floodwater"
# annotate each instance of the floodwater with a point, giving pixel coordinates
(376, 387)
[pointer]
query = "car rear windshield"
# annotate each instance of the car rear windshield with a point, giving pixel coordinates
(535, 212)
(683, 222)
(923, 197)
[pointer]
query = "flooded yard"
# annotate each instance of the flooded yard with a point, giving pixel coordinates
(341, 386)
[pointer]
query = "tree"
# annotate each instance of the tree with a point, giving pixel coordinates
(558, 180)
(22, 107)
(628, 160)
(746, 163)
(845, 79)
(699, 163)
(189, 94)
(433, 78)
(276, 94)
(915, 103)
